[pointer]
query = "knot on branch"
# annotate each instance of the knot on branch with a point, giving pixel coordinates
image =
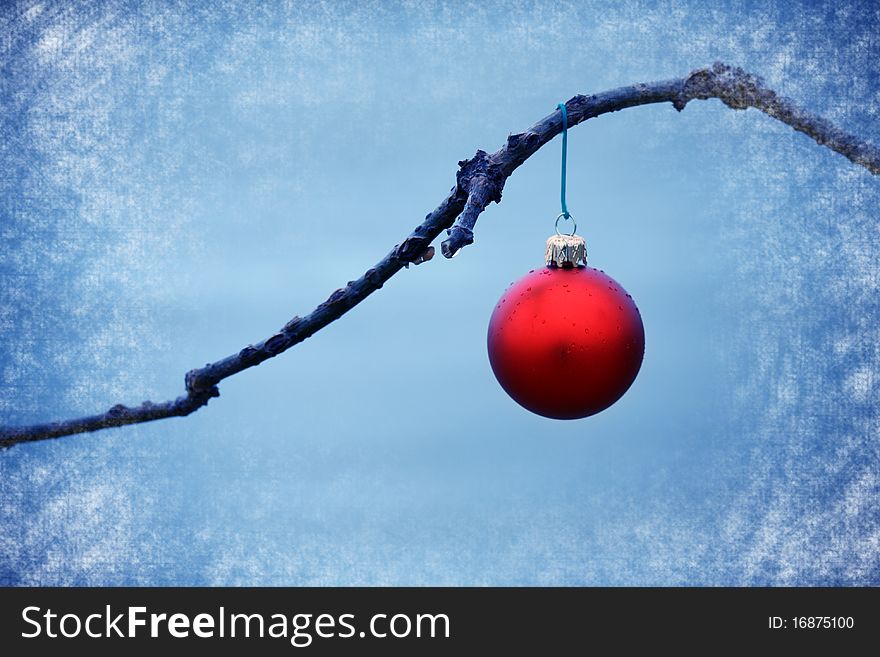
(480, 171)
(118, 411)
(199, 382)
(193, 401)
(291, 325)
(426, 255)
(374, 278)
(249, 354)
(335, 296)
(520, 146)
(414, 249)
(276, 344)
(732, 85)
(482, 180)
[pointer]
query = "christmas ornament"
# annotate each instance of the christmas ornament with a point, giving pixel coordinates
(566, 341)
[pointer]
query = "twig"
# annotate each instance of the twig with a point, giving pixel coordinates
(479, 181)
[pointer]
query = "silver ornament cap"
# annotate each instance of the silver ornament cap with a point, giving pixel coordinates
(566, 251)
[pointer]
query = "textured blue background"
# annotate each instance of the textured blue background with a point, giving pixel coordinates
(178, 180)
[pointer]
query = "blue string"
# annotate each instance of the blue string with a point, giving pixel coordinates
(561, 106)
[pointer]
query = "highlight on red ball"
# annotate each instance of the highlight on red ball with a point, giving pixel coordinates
(566, 342)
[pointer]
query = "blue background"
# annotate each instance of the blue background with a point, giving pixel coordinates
(178, 180)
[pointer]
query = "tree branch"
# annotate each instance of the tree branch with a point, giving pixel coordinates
(479, 181)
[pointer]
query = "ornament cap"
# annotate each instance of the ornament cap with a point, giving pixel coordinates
(566, 251)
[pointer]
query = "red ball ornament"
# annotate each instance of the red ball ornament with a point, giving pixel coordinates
(566, 341)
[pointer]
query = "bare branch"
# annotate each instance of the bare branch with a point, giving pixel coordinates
(479, 181)
(733, 86)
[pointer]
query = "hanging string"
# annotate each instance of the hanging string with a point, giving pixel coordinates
(561, 106)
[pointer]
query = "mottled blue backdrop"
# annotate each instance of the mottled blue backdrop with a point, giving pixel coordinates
(179, 179)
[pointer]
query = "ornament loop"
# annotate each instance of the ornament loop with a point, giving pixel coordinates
(566, 215)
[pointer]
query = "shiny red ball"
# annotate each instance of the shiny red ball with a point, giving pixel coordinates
(566, 343)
